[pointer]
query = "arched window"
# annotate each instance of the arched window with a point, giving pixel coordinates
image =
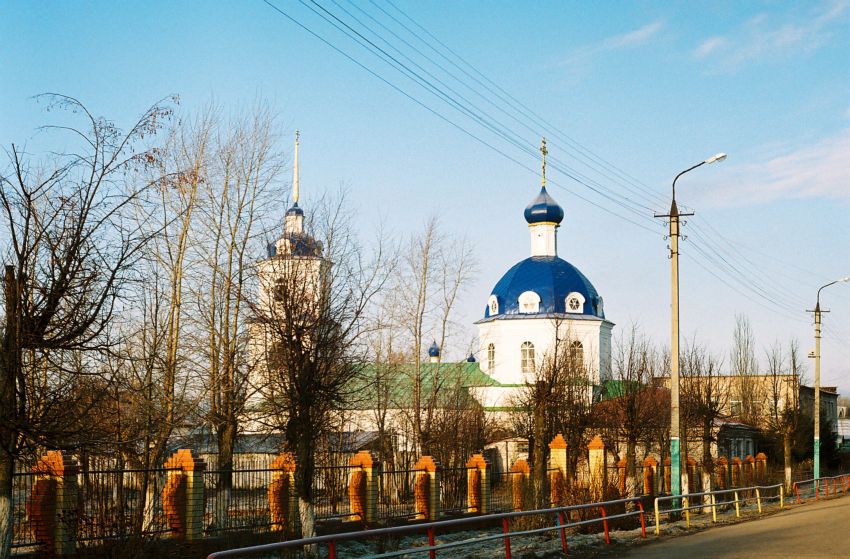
(577, 354)
(527, 356)
(491, 358)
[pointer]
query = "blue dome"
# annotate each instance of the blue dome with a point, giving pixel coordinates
(295, 210)
(434, 350)
(552, 278)
(544, 209)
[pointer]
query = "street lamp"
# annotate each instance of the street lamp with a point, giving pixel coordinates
(673, 217)
(818, 312)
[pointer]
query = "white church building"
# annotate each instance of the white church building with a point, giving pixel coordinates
(539, 300)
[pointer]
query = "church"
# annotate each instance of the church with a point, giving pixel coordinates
(540, 306)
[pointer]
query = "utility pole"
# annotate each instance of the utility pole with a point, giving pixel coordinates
(816, 410)
(675, 436)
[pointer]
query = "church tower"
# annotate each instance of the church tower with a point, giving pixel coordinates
(289, 282)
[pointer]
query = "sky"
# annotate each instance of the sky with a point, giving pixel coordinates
(627, 94)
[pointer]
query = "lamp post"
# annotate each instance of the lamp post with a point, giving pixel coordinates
(673, 217)
(818, 312)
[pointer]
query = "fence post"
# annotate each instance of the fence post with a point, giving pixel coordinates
(363, 486)
(691, 469)
(283, 503)
(650, 469)
(427, 488)
(558, 463)
(596, 463)
(667, 463)
(183, 494)
(761, 468)
(478, 486)
(52, 507)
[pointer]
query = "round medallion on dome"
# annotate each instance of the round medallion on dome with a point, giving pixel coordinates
(544, 209)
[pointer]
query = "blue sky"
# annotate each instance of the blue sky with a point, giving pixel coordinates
(649, 87)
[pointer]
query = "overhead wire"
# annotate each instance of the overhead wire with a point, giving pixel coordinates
(710, 252)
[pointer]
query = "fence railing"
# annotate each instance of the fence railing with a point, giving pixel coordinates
(816, 486)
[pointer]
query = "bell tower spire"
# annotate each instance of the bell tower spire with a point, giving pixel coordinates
(295, 183)
(293, 223)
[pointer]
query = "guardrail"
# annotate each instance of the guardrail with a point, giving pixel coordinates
(713, 504)
(559, 515)
(824, 482)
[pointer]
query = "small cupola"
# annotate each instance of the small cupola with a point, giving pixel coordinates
(544, 216)
(434, 352)
(471, 358)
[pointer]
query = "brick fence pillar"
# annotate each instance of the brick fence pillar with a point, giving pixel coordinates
(749, 470)
(558, 471)
(722, 473)
(283, 501)
(183, 495)
(52, 507)
(427, 488)
(596, 468)
(761, 468)
(477, 485)
(736, 472)
(621, 476)
(667, 463)
(650, 471)
(363, 486)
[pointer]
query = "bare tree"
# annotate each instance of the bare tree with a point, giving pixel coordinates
(242, 163)
(744, 369)
(705, 394)
(310, 320)
(783, 388)
(629, 411)
(71, 249)
(434, 270)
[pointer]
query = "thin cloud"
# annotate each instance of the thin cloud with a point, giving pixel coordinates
(631, 39)
(815, 171)
(762, 38)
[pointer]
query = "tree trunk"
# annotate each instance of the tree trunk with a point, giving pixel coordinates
(631, 487)
(539, 451)
(304, 472)
(7, 466)
(226, 441)
(786, 448)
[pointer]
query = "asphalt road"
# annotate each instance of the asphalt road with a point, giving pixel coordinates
(814, 530)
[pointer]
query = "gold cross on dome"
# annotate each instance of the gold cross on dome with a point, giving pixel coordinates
(545, 152)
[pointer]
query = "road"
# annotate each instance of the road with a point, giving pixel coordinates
(814, 530)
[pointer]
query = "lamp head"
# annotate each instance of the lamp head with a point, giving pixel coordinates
(715, 158)
(844, 279)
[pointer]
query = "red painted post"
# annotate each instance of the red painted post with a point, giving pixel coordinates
(797, 492)
(605, 525)
(432, 553)
(642, 521)
(563, 532)
(332, 549)
(817, 490)
(506, 531)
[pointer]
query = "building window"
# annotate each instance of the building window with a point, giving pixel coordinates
(527, 354)
(529, 302)
(576, 354)
(735, 407)
(491, 358)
